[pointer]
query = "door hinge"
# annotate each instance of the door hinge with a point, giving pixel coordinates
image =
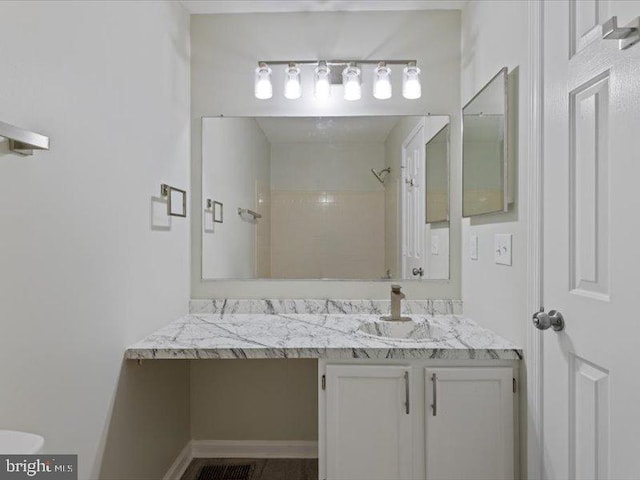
(515, 385)
(324, 382)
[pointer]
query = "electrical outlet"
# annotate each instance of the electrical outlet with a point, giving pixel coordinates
(473, 247)
(502, 248)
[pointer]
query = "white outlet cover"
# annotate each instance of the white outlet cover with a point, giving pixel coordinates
(502, 248)
(473, 247)
(435, 245)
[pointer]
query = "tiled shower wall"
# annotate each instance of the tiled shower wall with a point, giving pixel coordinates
(324, 234)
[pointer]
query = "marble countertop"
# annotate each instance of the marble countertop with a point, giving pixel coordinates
(328, 336)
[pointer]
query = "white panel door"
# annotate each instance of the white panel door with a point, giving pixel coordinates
(591, 398)
(413, 204)
(368, 430)
(469, 423)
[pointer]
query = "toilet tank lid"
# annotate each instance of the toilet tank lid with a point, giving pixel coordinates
(12, 442)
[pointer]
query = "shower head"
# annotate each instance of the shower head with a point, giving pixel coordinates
(382, 174)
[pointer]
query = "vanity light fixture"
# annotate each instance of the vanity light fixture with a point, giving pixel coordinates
(411, 88)
(351, 82)
(322, 81)
(292, 87)
(263, 89)
(382, 82)
(336, 72)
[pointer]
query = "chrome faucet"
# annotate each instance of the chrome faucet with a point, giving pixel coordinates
(396, 305)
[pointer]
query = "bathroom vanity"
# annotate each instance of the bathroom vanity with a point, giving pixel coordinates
(432, 418)
(431, 398)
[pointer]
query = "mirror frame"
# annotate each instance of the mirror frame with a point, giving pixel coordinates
(504, 72)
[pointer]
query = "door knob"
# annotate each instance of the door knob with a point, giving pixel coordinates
(418, 271)
(553, 319)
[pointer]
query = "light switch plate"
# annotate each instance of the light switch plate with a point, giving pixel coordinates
(435, 245)
(502, 248)
(473, 247)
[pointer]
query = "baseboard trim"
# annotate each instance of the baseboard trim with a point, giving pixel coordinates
(180, 464)
(239, 449)
(253, 449)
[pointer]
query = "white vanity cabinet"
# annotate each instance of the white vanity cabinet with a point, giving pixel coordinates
(368, 422)
(469, 423)
(377, 420)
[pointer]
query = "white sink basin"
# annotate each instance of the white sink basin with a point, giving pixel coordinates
(409, 331)
(20, 443)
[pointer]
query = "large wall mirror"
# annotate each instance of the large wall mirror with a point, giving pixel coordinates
(360, 198)
(485, 149)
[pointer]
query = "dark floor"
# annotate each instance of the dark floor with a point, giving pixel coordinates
(261, 468)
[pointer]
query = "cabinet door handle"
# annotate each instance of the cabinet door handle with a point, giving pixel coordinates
(406, 391)
(434, 405)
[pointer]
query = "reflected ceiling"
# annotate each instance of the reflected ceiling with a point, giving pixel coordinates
(266, 6)
(327, 129)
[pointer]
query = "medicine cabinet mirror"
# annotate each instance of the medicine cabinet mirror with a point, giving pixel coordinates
(485, 148)
(351, 198)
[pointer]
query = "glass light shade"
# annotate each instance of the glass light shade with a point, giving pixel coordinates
(411, 87)
(262, 86)
(322, 81)
(351, 82)
(292, 87)
(382, 82)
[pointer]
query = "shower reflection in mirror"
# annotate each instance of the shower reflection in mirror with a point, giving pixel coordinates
(330, 193)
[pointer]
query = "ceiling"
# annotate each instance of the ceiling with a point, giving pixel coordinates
(327, 129)
(272, 6)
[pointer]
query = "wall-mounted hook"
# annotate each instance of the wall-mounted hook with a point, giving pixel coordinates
(23, 141)
(628, 35)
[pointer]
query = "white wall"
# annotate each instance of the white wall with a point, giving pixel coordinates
(495, 295)
(255, 400)
(236, 160)
(225, 49)
(82, 272)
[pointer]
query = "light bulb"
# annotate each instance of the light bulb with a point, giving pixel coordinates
(262, 87)
(382, 82)
(351, 82)
(322, 81)
(411, 88)
(292, 87)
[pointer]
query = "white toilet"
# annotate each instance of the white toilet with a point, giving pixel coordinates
(20, 443)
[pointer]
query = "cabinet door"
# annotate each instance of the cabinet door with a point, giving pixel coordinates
(469, 423)
(368, 430)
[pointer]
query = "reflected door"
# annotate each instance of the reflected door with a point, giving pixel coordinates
(413, 204)
(591, 414)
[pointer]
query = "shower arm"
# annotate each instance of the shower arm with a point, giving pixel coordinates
(382, 174)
